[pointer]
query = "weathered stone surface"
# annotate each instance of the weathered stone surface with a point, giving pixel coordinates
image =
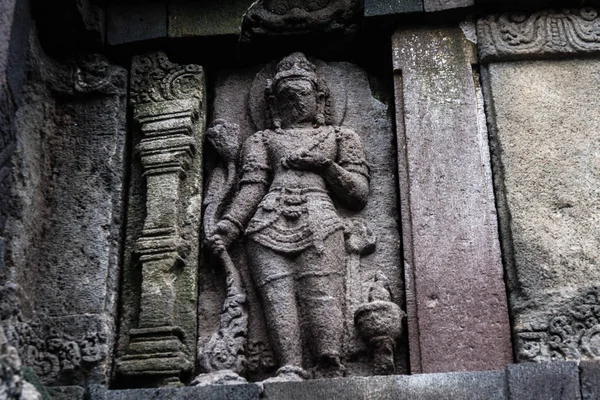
(207, 18)
(441, 5)
(456, 302)
(7, 10)
(347, 111)
(543, 34)
(455, 386)
(135, 22)
(545, 155)
(159, 292)
(220, 392)
(589, 379)
(552, 381)
(376, 8)
(63, 225)
(16, 57)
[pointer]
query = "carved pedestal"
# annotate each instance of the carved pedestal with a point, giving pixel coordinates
(162, 252)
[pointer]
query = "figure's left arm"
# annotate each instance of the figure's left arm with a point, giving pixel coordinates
(348, 176)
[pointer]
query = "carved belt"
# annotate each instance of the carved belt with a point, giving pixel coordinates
(291, 201)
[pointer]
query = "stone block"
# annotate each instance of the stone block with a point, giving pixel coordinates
(207, 18)
(544, 137)
(548, 381)
(441, 5)
(454, 386)
(128, 23)
(221, 392)
(456, 301)
(589, 379)
(376, 8)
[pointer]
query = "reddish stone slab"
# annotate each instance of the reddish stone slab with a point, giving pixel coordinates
(456, 298)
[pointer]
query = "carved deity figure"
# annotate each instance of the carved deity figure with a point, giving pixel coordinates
(285, 209)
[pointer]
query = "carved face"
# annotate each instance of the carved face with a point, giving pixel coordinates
(296, 101)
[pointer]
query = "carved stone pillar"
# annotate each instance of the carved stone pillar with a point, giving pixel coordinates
(456, 301)
(159, 293)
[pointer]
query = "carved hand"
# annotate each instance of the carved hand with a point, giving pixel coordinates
(225, 233)
(306, 161)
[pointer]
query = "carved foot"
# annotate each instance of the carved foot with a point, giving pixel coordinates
(288, 373)
(223, 377)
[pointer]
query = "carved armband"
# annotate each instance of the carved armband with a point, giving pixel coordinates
(256, 167)
(234, 221)
(351, 153)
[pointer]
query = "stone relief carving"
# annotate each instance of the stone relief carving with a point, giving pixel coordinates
(572, 333)
(55, 356)
(279, 193)
(11, 383)
(168, 105)
(544, 33)
(277, 17)
(94, 73)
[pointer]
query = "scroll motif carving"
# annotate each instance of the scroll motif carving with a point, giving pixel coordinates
(542, 34)
(154, 79)
(573, 333)
(93, 73)
(272, 17)
(54, 355)
(168, 105)
(10, 370)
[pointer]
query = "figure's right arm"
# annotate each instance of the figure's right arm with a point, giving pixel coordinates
(253, 186)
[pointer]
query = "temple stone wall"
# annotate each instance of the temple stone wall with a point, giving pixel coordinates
(63, 202)
(442, 197)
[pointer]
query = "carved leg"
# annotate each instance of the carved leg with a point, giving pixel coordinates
(320, 283)
(275, 283)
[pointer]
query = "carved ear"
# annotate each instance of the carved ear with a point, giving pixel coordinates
(320, 117)
(272, 115)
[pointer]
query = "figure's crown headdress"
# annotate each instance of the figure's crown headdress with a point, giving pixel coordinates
(295, 66)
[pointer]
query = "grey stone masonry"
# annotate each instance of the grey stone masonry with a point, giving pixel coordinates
(544, 137)
(552, 381)
(456, 301)
(441, 5)
(63, 233)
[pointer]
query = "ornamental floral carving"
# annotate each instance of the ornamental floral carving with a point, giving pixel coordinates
(273, 17)
(572, 333)
(154, 79)
(541, 34)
